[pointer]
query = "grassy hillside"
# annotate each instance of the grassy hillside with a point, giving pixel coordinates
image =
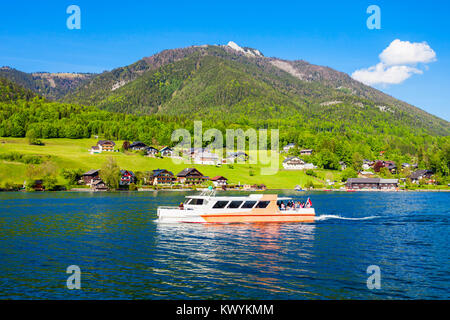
(73, 154)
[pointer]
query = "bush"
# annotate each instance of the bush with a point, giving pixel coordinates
(132, 187)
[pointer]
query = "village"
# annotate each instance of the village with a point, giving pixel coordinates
(367, 179)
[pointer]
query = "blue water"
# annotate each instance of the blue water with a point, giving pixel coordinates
(124, 254)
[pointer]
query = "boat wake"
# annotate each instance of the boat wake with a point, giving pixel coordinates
(332, 216)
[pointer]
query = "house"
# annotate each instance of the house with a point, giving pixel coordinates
(295, 163)
(38, 185)
(367, 164)
(106, 145)
(162, 176)
(166, 152)
(137, 146)
(288, 147)
(191, 176)
(418, 175)
(365, 174)
(98, 185)
(219, 181)
(391, 166)
(151, 151)
(306, 152)
(192, 152)
(206, 158)
(372, 183)
(95, 149)
(343, 165)
(239, 156)
(87, 177)
(127, 177)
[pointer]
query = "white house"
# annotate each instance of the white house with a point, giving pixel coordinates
(166, 152)
(295, 163)
(219, 181)
(206, 158)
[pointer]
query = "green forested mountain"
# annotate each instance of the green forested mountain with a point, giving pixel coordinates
(50, 85)
(225, 83)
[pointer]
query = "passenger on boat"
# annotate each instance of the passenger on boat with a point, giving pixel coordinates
(181, 206)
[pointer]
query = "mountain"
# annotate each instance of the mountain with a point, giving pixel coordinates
(51, 85)
(228, 81)
(11, 91)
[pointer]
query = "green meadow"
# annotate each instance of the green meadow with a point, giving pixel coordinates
(74, 154)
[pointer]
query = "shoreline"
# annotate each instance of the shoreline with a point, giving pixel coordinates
(87, 190)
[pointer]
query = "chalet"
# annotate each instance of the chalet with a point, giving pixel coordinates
(138, 146)
(206, 158)
(151, 151)
(191, 176)
(418, 175)
(90, 175)
(98, 185)
(372, 183)
(166, 152)
(306, 152)
(295, 163)
(95, 149)
(162, 176)
(288, 147)
(127, 177)
(106, 145)
(219, 181)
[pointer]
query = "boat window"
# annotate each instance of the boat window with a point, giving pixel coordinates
(248, 204)
(235, 204)
(262, 204)
(188, 201)
(220, 204)
(196, 202)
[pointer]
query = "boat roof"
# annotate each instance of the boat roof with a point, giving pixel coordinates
(248, 197)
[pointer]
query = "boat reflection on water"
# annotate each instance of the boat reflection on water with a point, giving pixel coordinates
(253, 256)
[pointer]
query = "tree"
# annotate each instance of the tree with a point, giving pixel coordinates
(348, 173)
(126, 145)
(72, 176)
(110, 173)
(357, 161)
(32, 137)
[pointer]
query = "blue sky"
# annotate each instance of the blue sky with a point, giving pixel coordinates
(34, 36)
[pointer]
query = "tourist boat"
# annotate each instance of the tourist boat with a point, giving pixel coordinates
(208, 208)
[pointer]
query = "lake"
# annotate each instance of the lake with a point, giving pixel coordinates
(124, 254)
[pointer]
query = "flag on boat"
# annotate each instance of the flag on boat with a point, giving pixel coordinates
(308, 203)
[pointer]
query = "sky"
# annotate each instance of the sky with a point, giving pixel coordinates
(408, 57)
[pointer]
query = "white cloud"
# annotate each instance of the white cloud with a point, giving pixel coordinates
(404, 52)
(382, 74)
(398, 63)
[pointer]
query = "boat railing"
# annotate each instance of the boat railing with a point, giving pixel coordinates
(174, 207)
